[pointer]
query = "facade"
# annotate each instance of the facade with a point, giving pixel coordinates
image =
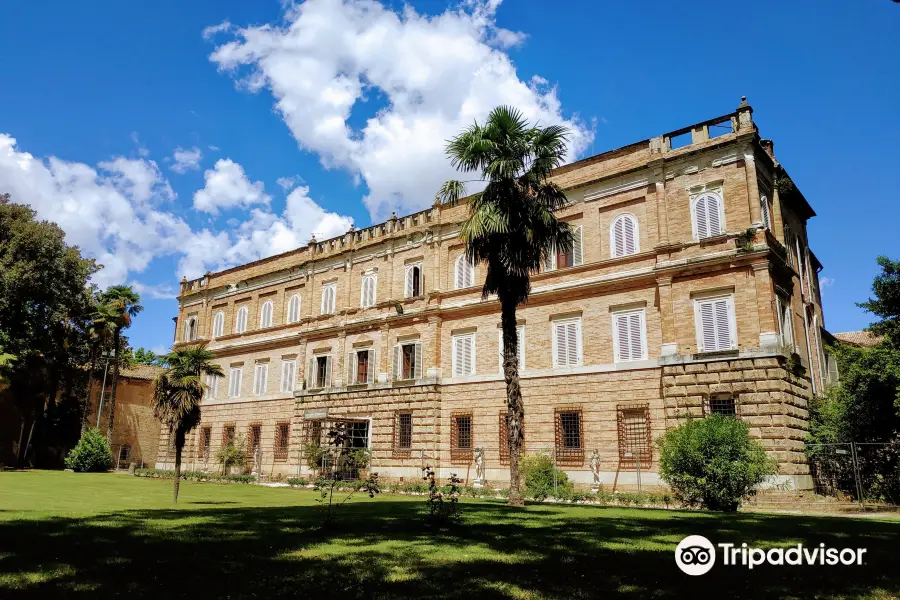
(136, 431)
(691, 289)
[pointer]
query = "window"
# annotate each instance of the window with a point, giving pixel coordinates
(227, 435)
(708, 215)
(293, 312)
(212, 387)
(253, 439)
(461, 438)
(463, 355)
(714, 318)
(623, 236)
(407, 361)
(203, 442)
(403, 428)
(240, 320)
(465, 272)
(414, 281)
(190, 329)
(572, 258)
(319, 374)
(234, 382)
(328, 295)
(361, 367)
(520, 333)
(124, 454)
(635, 435)
(569, 437)
(722, 404)
(765, 212)
(288, 375)
(261, 379)
(265, 314)
(832, 375)
(504, 437)
(785, 322)
(629, 336)
(219, 324)
(367, 293)
(282, 440)
(567, 343)
(789, 244)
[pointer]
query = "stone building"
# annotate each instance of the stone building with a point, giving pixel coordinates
(691, 289)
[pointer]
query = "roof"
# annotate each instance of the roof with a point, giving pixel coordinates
(148, 372)
(864, 339)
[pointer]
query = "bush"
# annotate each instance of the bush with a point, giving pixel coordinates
(233, 453)
(91, 454)
(538, 471)
(712, 462)
(298, 481)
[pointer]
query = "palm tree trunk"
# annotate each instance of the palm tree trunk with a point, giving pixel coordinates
(115, 383)
(86, 409)
(515, 410)
(179, 445)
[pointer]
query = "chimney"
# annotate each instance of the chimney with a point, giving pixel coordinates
(769, 147)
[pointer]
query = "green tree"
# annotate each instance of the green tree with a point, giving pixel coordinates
(143, 356)
(122, 304)
(177, 393)
(886, 303)
(511, 228)
(45, 306)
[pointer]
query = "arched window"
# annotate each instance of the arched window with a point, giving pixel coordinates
(219, 324)
(240, 320)
(465, 272)
(367, 293)
(190, 329)
(764, 212)
(414, 280)
(623, 236)
(293, 314)
(789, 244)
(328, 294)
(708, 216)
(265, 314)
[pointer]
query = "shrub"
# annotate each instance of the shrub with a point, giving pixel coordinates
(298, 481)
(712, 462)
(91, 454)
(538, 472)
(233, 453)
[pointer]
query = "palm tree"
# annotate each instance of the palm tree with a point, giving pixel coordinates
(177, 393)
(102, 331)
(124, 304)
(511, 228)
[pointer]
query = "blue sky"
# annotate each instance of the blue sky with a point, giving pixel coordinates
(347, 105)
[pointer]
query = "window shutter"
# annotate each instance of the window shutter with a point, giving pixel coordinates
(409, 282)
(294, 309)
(421, 281)
(707, 327)
(577, 252)
(618, 240)
(723, 331)
(469, 273)
(370, 370)
(636, 341)
(764, 211)
(397, 370)
(457, 357)
(311, 374)
(629, 234)
(500, 349)
(559, 338)
(350, 369)
(550, 262)
(572, 343)
(468, 343)
(418, 363)
(622, 337)
(327, 382)
(701, 218)
(712, 213)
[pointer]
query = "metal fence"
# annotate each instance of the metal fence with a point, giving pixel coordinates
(857, 473)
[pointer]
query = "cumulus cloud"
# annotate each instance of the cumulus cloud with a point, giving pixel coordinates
(186, 160)
(288, 183)
(116, 212)
(437, 74)
(227, 186)
(826, 282)
(155, 292)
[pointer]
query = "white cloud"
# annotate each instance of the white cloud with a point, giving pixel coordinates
(213, 148)
(438, 74)
(212, 30)
(186, 160)
(227, 186)
(825, 282)
(113, 213)
(288, 183)
(154, 292)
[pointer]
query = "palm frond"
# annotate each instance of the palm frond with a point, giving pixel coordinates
(451, 192)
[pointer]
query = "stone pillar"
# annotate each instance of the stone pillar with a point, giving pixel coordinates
(752, 187)
(434, 371)
(765, 297)
(337, 375)
(301, 361)
(662, 213)
(384, 355)
(777, 219)
(667, 317)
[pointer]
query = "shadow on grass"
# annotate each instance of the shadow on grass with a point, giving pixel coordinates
(382, 549)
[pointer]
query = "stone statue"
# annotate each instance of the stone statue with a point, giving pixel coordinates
(595, 470)
(479, 468)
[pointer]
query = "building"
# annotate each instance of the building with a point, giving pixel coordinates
(691, 289)
(136, 432)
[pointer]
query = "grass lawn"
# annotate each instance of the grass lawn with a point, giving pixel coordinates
(104, 535)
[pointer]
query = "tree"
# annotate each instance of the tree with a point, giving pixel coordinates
(886, 303)
(511, 228)
(177, 393)
(143, 356)
(122, 304)
(45, 306)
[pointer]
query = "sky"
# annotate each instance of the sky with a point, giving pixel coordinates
(171, 138)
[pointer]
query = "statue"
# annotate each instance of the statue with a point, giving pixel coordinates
(595, 470)
(479, 468)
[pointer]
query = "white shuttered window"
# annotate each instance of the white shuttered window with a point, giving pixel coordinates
(715, 324)
(293, 313)
(219, 324)
(261, 379)
(629, 336)
(709, 216)
(407, 362)
(415, 282)
(464, 355)
(465, 272)
(367, 293)
(235, 375)
(573, 258)
(265, 314)
(288, 375)
(360, 367)
(623, 236)
(520, 332)
(328, 295)
(240, 321)
(764, 212)
(212, 387)
(567, 343)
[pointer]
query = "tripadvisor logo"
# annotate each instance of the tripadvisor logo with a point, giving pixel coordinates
(696, 555)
